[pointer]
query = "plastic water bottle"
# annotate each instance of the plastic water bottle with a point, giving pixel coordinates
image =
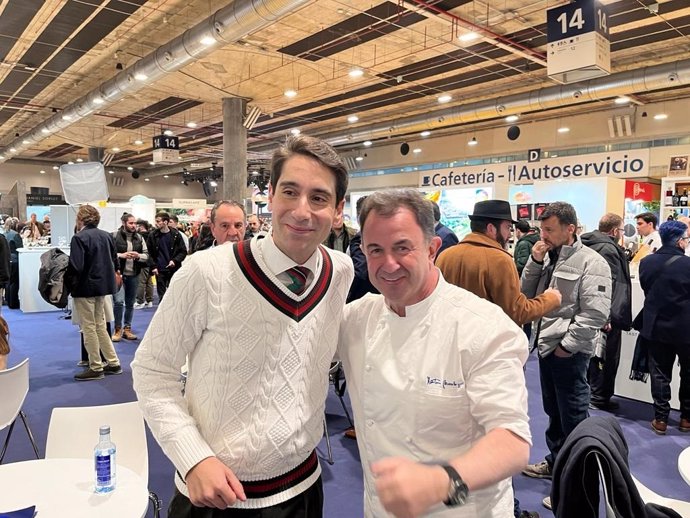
(104, 461)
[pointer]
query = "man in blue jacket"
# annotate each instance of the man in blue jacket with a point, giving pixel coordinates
(91, 276)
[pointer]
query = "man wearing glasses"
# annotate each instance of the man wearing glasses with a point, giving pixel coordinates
(603, 367)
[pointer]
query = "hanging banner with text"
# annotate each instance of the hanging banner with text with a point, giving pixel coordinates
(633, 163)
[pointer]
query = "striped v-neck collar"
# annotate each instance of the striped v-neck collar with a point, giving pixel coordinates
(295, 309)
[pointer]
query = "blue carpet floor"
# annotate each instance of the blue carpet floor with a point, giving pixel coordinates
(52, 344)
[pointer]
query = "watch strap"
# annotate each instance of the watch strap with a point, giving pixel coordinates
(457, 490)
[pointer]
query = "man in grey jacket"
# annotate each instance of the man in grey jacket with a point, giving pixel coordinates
(565, 337)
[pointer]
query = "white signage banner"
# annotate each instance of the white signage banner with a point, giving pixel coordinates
(633, 163)
(189, 203)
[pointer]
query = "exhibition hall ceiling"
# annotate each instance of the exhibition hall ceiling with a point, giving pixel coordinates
(409, 53)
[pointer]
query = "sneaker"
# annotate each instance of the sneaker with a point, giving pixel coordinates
(112, 369)
(83, 363)
(139, 305)
(88, 375)
(659, 426)
(539, 470)
(149, 304)
(547, 503)
(529, 514)
(117, 335)
(128, 335)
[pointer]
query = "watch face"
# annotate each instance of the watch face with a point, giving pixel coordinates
(457, 491)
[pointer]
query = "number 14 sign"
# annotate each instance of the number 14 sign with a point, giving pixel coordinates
(578, 46)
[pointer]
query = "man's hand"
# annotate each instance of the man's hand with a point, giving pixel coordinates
(212, 484)
(555, 292)
(562, 353)
(171, 264)
(539, 251)
(607, 328)
(154, 271)
(406, 488)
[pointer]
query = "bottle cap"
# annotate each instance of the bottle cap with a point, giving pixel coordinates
(105, 429)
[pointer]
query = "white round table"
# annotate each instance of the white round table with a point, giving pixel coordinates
(684, 464)
(64, 487)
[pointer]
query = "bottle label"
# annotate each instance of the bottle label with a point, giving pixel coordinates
(103, 472)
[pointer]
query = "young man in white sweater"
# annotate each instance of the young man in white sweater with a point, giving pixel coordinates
(249, 318)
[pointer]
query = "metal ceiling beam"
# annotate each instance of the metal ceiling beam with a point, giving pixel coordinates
(227, 25)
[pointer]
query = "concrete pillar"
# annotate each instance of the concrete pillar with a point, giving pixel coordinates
(96, 154)
(234, 149)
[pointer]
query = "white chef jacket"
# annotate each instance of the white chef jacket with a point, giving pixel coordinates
(653, 240)
(427, 386)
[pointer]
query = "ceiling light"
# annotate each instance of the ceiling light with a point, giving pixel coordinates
(359, 158)
(140, 76)
(191, 124)
(445, 98)
(417, 150)
(213, 183)
(473, 142)
(138, 142)
(130, 168)
(119, 66)
(622, 99)
(70, 162)
(111, 172)
(30, 67)
(152, 163)
(166, 176)
(42, 171)
(425, 133)
(512, 118)
(295, 131)
(468, 36)
(26, 142)
(660, 117)
(352, 119)
(207, 40)
(116, 149)
(290, 93)
(55, 168)
(80, 159)
(355, 72)
(2, 157)
(563, 129)
(168, 132)
(179, 158)
(98, 100)
(45, 131)
(66, 117)
(366, 143)
(147, 179)
(13, 150)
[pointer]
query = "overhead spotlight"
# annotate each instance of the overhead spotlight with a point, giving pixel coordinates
(119, 66)
(512, 118)
(660, 117)
(468, 36)
(66, 117)
(138, 142)
(295, 131)
(366, 143)
(130, 168)
(55, 168)
(214, 183)
(563, 129)
(139, 76)
(147, 179)
(26, 142)
(168, 132)
(135, 174)
(425, 133)
(417, 150)
(191, 124)
(166, 176)
(80, 159)
(359, 158)
(111, 172)
(355, 72)
(473, 142)
(622, 99)
(445, 98)
(352, 119)
(207, 41)
(290, 93)
(42, 171)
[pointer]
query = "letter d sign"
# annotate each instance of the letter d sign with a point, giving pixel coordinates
(533, 155)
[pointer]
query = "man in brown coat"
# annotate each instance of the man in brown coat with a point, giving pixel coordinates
(481, 264)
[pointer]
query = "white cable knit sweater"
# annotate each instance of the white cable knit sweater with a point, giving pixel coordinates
(258, 364)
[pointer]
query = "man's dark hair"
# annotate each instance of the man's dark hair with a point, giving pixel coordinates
(480, 224)
(387, 203)
(163, 215)
(437, 211)
(523, 226)
(609, 222)
(174, 218)
(360, 202)
(564, 212)
(648, 217)
(125, 216)
(89, 216)
(316, 149)
(229, 203)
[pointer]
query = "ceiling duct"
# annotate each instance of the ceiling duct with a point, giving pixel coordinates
(227, 25)
(648, 79)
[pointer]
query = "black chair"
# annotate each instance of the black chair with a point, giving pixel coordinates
(337, 378)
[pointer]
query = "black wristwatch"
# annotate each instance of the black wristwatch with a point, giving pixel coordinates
(458, 490)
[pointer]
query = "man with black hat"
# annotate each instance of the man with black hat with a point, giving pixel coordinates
(481, 264)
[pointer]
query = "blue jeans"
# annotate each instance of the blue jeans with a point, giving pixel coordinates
(125, 298)
(565, 396)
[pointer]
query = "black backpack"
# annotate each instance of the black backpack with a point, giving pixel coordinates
(51, 277)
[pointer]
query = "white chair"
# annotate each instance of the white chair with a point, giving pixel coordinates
(73, 433)
(14, 386)
(650, 497)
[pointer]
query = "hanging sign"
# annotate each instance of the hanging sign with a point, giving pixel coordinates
(578, 44)
(166, 149)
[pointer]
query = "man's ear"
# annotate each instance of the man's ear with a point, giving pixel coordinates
(270, 197)
(339, 208)
(434, 246)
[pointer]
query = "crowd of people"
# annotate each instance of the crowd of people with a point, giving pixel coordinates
(433, 334)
